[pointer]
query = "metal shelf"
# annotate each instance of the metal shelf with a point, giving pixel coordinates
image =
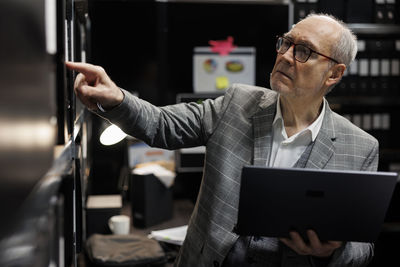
(270, 2)
(374, 28)
(364, 100)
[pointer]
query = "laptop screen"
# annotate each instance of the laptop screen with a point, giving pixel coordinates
(338, 205)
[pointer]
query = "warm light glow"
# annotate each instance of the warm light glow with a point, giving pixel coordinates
(15, 134)
(112, 135)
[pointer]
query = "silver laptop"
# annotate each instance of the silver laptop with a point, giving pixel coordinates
(338, 205)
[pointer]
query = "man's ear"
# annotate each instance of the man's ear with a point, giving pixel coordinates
(336, 74)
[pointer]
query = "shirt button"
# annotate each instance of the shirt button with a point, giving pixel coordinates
(216, 264)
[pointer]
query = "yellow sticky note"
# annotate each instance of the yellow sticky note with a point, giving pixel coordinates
(221, 82)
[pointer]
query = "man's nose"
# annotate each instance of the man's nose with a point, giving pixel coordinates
(289, 54)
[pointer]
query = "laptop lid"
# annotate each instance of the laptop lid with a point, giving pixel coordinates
(338, 205)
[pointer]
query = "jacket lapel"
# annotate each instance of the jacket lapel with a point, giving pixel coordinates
(323, 148)
(262, 128)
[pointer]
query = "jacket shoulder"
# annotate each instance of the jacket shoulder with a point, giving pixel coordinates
(251, 97)
(347, 129)
(251, 90)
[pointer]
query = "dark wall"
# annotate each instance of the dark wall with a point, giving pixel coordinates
(148, 47)
(123, 37)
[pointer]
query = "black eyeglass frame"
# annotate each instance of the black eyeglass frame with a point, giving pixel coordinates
(294, 50)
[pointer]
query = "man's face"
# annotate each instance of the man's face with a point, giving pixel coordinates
(306, 80)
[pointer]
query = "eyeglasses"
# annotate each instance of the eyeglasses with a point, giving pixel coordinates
(300, 52)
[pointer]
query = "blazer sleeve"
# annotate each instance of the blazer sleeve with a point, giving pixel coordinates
(352, 254)
(168, 127)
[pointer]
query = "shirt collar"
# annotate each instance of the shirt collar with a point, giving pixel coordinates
(313, 127)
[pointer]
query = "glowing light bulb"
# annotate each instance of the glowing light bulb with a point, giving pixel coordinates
(112, 135)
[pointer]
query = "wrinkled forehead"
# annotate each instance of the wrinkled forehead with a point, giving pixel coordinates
(318, 33)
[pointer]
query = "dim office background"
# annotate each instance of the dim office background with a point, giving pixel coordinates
(52, 161)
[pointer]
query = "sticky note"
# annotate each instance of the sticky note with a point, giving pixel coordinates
(221, 82)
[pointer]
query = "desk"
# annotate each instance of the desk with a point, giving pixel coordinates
(182, 210)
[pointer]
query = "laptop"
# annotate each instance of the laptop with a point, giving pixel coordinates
(338, 205)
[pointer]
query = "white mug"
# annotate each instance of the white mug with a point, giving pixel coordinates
(119, 224)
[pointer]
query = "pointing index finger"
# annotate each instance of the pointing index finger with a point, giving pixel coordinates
(84, 68)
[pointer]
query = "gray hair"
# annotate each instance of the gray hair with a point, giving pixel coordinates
(345, 49)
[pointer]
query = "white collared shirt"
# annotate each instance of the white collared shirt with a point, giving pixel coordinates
(286, 151)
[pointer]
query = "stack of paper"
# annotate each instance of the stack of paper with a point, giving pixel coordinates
(164, 175)
(174, 235)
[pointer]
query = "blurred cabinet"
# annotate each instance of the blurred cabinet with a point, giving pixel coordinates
(43, 133)
(369, 93)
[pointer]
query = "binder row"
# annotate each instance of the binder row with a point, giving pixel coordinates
(371, 122)
(375, 71)
(367, 87)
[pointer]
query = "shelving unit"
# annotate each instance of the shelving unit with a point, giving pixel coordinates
(371, 87)
(369, 94)
(374, 28)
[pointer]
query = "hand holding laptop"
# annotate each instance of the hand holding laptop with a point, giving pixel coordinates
(287, 203)
(314, 247)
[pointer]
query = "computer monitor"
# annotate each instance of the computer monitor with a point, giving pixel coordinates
(192, 159)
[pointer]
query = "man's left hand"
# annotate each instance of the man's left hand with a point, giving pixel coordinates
(314, 247)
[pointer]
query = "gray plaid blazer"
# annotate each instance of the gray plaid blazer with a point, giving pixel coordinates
(236, 130)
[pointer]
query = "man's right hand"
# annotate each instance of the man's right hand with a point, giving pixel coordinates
(93, 86)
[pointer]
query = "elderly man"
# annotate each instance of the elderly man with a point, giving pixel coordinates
(288, 126)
